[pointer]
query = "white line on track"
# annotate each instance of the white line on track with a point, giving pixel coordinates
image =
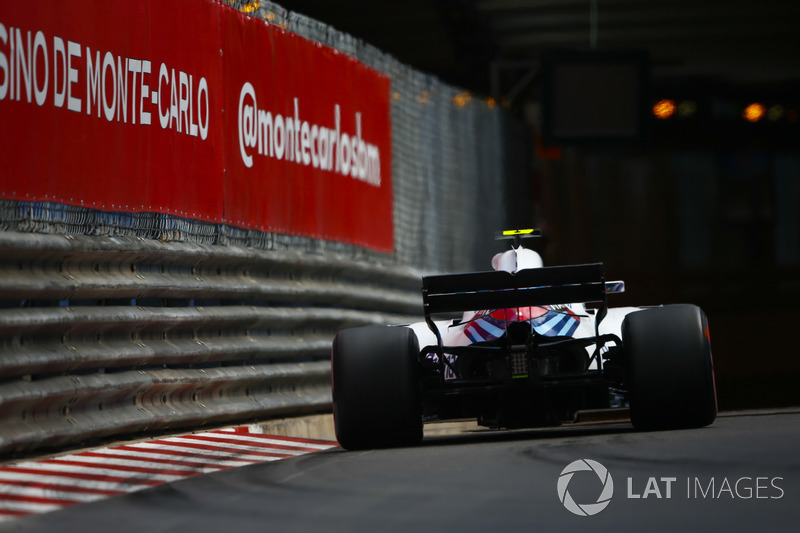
(268, 439)
(49, 494)
(209, 449)
(200, 441)
(157, 455)
(39, 477)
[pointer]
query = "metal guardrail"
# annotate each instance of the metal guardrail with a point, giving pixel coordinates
(109, 336)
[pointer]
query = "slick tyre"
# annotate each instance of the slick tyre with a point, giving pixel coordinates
(376, 391)
(669, 368)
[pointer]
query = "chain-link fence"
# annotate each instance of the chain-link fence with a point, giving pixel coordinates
(454, 168)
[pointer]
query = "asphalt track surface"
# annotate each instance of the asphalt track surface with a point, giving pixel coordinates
(741, 474)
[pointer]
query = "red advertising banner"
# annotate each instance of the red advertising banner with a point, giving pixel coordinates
(312, 144)
(112, 106)
(193, 109)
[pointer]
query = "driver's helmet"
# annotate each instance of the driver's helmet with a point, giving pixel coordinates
(517, 259)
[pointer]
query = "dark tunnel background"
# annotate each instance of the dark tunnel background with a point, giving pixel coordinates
(686, 183)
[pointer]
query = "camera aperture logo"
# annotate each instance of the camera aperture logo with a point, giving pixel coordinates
(582, 480)
(595, 469)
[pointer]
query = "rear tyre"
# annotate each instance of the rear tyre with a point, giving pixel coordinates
(377, 400)
(669, 368)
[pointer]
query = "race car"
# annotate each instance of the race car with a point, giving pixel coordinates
(522, 345)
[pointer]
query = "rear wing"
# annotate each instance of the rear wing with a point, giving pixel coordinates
(499, 289)
(530, 287)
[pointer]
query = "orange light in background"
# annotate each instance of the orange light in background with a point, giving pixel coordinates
(425, 96)
(491, 102)
(664, 109)
(754, 112)
(462, 99)
(250, 7)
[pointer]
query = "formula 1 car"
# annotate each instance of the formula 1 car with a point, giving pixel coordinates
(533, 345)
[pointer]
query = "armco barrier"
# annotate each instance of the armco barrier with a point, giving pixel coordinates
(109, 336)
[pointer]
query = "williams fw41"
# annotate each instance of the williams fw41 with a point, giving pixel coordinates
(522, 346)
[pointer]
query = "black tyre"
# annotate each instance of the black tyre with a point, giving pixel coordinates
(376, 391)
(670, 372)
